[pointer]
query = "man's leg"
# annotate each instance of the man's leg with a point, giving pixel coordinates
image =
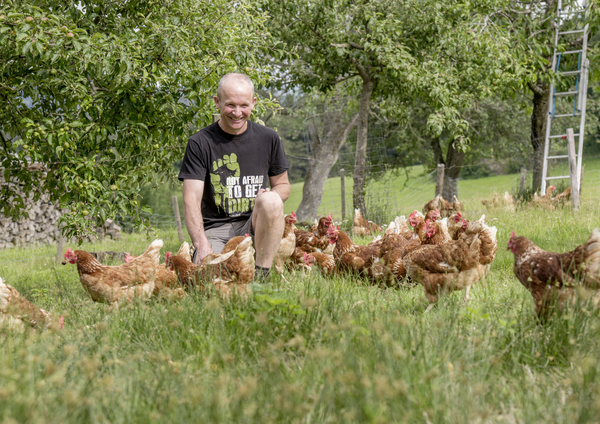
(267, 221)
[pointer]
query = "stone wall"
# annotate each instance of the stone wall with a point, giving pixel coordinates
(42, 225)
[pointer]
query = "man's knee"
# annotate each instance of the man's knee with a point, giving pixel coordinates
(270, 205)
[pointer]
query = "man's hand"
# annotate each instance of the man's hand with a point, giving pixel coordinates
(261, 191)
(201, 253)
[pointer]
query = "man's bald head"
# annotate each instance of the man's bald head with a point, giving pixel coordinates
(234, 77)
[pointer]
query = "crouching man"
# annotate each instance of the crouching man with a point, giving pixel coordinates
(225, 172)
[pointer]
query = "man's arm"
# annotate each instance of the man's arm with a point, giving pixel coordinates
(281, 185)
(192, 203)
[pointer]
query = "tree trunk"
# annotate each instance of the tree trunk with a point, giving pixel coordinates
(454, 161)
(360, 158)
(541, 96)
(323, 155)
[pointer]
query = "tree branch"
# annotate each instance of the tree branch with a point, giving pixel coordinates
(535, 88)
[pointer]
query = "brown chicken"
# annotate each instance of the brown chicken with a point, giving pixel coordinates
(457, 225)
(435, 232)
(545, 201)
(166, 285)
(417, 221)
(325, 262)
(362, 227)
(125, 282)
(287, 245)
(554, 277)
(350, 256)
(317, 241)
(16, 312)
(232, 271)
(561, 199)
(445, 208)
(442, 268)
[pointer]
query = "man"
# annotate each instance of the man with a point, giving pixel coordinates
(224, 174)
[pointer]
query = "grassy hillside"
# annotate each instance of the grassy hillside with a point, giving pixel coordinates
(403, 197)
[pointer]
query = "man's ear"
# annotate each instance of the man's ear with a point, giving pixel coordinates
(217, 102)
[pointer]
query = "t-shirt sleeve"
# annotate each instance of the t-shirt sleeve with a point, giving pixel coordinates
(278, 163)
(194, 163)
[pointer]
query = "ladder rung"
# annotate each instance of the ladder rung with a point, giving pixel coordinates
(564, 115)
(565, 93)
(577, 31)
(569, 52)
(562, 136)
(559, 157)
(569, 73)
(558, 178)
(572, 11)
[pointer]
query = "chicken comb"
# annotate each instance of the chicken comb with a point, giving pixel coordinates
(293, 214)
(248, 235)
(68, 252)
(128, 257)
(330, 217)
(412, 215)
(457, 218)
(513, 235)
(167, 258)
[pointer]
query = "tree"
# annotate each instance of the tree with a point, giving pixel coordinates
(443, 53)
(104, 95)
(328, 130)
(531, 26)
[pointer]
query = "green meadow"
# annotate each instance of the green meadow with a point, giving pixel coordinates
(310, 349)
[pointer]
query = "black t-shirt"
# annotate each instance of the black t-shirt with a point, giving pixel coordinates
(233, 168)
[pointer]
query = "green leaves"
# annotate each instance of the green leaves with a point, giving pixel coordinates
(90, 94)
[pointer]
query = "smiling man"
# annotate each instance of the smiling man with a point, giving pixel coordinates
(225, 172)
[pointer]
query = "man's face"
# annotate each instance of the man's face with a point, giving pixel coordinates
(235, 106)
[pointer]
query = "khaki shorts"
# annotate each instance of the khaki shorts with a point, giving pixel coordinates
(219, 236)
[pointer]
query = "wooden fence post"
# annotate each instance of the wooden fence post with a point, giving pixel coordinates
(573, 169)
(343, 190)
(177, 218)
(439, 185)
(523, 180)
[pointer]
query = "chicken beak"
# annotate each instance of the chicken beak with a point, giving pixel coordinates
(64, 262)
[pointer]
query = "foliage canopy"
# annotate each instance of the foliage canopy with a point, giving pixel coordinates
(103, 95)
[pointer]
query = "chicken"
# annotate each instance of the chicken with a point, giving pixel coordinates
(444, 207)
(417, 220)
(506, 202)
(399, 226)
(352, 257)
(562, 198)
(325, 262)
(166, 284)
(125, 282)
(362, 227)
(435, 232)
(287, 244)
(441, 268)
(232, 271)
(545, 201)
(457, 225)
(432, 205)
(456, 207)
(551, 276)
(317, 241)
(16, 312)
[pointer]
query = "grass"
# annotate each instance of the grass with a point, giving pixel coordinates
(311, 351)
(393, 190)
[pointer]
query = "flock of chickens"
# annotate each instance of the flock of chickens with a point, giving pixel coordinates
(438, 249)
